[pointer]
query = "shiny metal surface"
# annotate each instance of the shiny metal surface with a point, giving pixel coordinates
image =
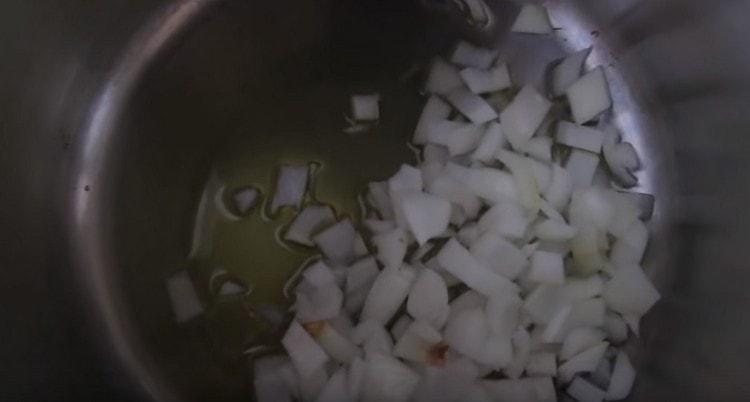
(112, 113)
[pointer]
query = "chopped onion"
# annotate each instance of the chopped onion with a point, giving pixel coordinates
(308, 222)
(492, 141)
(499, 255)
(521, 351)
(581, 165)
(334, 343)
(419, 344)
(245, 199)
(377, 226)
(481, 81)
(379, 198)
(373, 338)
(623, 376)
(505, 219)
(539, 148)
(471, 105)
(185, 302)
(542, 364)
(458, 137)
(554, 230)
(391, 247)
(359, 279)
(584, 362)
(579, 340)
(390, 289)
(584, 391)
(456, 192)
(489, 184)
(525, 178)
(337, 242)
(589, 96)
(532, 19)
(523, 116)
(428, 299)
(365, 107)
(318, 296)
(400, 326)
(335, 389)
(466, 54)
(568, 71)
(443, 77)
(427, 215)
(308, 358)
(546, 268)
(459, 262)
(581, 137)
(290, 187)
(560, 188)
(532, 389)
(630, 291)
(387, 379)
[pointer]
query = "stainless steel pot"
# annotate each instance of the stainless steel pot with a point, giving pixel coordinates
(112, 112)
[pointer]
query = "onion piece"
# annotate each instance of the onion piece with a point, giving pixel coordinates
(456, 192)
(589, 96)
(554, 230)
(355, 377)
(359, 279)
(332, 342)
(373, 338)
(532, 389)
(623, 376)
(182, 294)
(391, 247)
(318, 296)
(365, 107)
(546, 268)
(400, 326)
(443, 77)
(489, 184)
(499, 255)
(428, 299)
(290, 187)
(532, 19)
(387, 379)
(307, 357)
(584, 362)
(581, 137)
(378, 197)
(335, 389)
(505, 219)
(245, 199)
(584, 391)
(337, 242)
(434, 111)
(471, 105)
(630, 291)
(448, 383)
(622, 160)
(481, 81)
(568, 71)
(523, 116)
(492, 141)
(417, 344)
(458, 137)
(426, 215)
(525, 178)
(542, 364)
(309, 221)
(581, 165)
(466, 332)
(560, 188)
(466, 54)
(377, 226)
(459, 262)
(275, 379)
(579, 340)
(539, 148)
(467, 300)
(521, 342)
(389, 290)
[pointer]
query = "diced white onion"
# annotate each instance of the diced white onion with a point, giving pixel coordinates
(589, 96)
(390, 289)
(185, 302)
(365, 107)
(532, 19)
(308, 222)
(466, 54)
(290, 187)
(428, 299)
(481, 81)
(471, 105)
(568, 71)
(581, 137)
(459, 262)
(523, 116)
(584, 391)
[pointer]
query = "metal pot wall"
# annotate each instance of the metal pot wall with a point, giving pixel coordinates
(112, 113)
